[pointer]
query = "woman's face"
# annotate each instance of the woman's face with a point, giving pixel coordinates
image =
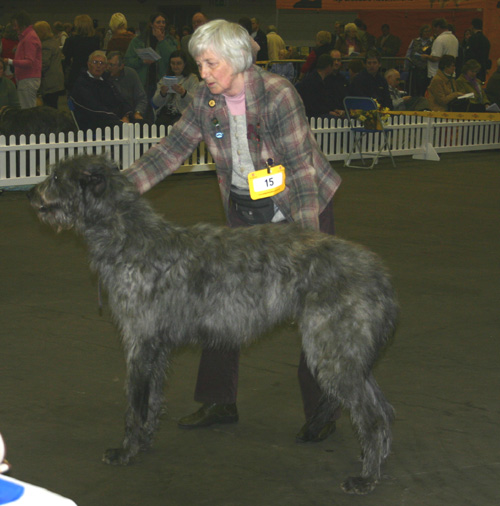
(471, 74)
(159, 23)
(450, 69)
(177, 64)
(426, 33)
(218, 75)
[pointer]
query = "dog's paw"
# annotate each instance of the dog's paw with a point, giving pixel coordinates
(358, 485)
(116, 457)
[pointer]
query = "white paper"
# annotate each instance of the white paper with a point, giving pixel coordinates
(467, 95)
(148, 53)
(170, 81)
(493, 108)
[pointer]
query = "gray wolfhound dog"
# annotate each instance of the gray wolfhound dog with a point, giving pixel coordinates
(170, 286)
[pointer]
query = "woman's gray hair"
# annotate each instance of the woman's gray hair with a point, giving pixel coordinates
(229, 41)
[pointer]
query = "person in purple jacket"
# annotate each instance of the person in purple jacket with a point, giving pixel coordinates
(27, 61)
(248, 118)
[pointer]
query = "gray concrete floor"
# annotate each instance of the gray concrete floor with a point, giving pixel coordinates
(436, 224)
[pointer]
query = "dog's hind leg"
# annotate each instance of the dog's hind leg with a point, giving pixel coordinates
(372, 416)
(145, 380)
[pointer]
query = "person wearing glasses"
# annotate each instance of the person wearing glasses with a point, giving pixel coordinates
(98, 103)
(128, 84)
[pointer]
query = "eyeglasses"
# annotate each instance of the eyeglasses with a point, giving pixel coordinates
(98, 62)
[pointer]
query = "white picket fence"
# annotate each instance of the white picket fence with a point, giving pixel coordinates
(27, 161)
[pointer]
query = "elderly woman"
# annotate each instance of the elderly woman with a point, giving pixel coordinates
(443, 88)
(52, 83)
(121, 37)
(172, 100)
(246, 116)
(323, 46)
(469, 83)
(349, 43)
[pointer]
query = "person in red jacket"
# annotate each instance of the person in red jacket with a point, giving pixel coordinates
(27, 61)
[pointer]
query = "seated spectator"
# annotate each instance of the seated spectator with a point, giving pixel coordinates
(8, 92)
(336, 85)
(354, 67)
(400, 100)
(443, 90)
(121, 37)
(285, 69)
(468, 82)
(313, 91)
(127, 82)
(349, 43)
(493, 86)
(370, 82)
(172, 100)
(98, 103)
(323, 46)
(52, 83)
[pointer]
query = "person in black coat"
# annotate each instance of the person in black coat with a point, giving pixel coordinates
(370, 82)
(313, 90)
(98, 104)
(77, 48)
(261, 38)
(478, 48)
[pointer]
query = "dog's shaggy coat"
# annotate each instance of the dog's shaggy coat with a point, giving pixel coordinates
(215, 286)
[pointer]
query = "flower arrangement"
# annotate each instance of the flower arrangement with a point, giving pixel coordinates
(370, 119)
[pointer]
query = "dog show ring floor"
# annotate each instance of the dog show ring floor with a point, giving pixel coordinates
(435, 225)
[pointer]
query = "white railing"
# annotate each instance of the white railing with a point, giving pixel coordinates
(27, 161)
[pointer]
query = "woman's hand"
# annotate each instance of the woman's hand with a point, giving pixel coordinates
(159, 33)
(163, 90)
(179, 89)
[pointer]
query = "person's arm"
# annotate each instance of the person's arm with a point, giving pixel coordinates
(30, 50)
(168, 155)
(441, 93)
(293, 142)
(132, 59)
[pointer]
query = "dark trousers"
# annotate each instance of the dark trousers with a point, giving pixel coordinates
(218, 370)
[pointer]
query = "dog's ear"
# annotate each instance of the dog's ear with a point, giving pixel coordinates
(94, 180)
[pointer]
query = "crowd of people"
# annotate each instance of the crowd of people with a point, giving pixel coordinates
(440, 73)
(115, 74)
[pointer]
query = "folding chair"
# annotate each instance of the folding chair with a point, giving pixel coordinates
(379, 135)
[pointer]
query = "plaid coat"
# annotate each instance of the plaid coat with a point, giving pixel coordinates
(277, 129)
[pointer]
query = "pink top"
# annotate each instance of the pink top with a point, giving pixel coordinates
(236, 104)
(28, 58)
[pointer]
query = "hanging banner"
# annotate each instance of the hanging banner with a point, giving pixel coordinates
(355, 5)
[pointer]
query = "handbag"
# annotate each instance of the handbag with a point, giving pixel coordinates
(253, 212)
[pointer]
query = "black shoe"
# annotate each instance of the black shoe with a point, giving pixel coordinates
(209, 414)
(308, 435)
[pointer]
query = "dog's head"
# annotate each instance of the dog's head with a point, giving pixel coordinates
(74, 190)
